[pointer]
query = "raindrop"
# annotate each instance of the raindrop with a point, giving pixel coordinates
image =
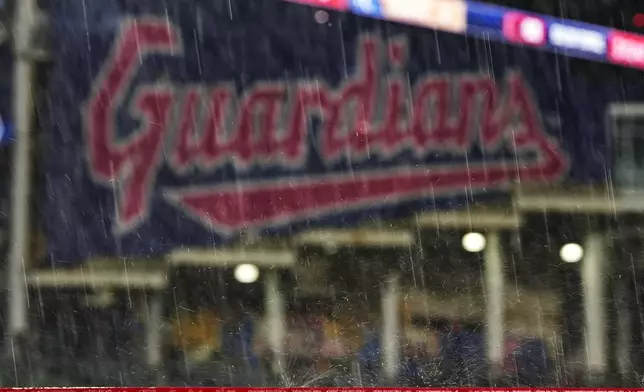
(321, 17)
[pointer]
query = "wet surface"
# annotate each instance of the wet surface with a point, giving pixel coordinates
(258, 193)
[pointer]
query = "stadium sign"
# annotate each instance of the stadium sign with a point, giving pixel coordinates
(183, 137)
(362, 118)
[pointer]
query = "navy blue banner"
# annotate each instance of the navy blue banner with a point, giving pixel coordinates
(179, 123)
(6, 80)
(6, 138)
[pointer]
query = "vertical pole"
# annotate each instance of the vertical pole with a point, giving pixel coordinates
(624, 323)
(391, 328)
(25, 19)
(275, 317)
(593, 282)
(495, 306)
(153, 332)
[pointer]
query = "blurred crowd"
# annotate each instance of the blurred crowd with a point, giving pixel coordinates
(205, 347)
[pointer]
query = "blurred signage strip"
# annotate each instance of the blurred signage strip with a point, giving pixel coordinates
(337, 5)
(576, 38)
(626, 49)
(557, 35)
(524, 29)
(568, 37)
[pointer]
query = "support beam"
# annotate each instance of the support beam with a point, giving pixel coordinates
(593, 275)
(153, 337)
(276, 323)
(391, 328)
(23, 113)
(624, 344)
(494, 302)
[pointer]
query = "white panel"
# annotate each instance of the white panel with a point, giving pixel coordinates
(356, 237)
(605, 202)
(626, 110)
(231, 258)
(79, 278)
(476, 219)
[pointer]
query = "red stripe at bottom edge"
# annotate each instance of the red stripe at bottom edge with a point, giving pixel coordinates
(303, 389)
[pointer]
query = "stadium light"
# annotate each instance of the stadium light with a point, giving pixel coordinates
(473, 242)
(246, 273)
(571, 253)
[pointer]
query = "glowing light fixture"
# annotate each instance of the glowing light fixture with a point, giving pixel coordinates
(246, 273)
(571, 253)
(473, 242)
